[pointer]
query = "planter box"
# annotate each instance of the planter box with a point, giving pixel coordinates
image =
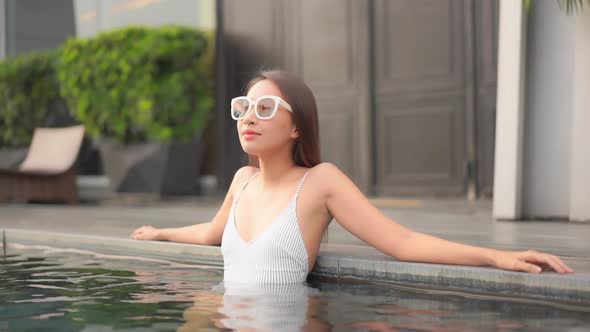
(161, 168)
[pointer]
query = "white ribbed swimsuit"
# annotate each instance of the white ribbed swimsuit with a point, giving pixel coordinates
(278, 255)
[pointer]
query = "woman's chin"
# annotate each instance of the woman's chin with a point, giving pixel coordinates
(250, 149)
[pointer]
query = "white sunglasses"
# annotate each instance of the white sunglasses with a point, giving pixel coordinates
(265, 107)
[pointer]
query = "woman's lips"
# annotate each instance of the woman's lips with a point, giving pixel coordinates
(249, 135)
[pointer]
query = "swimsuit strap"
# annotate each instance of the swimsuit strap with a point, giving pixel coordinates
(246, 184)
(301, 183)
(250, 179)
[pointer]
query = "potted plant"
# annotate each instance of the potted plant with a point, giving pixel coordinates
(145, 95)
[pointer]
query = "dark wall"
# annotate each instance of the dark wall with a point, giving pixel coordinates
(33, 25)
(405, 89)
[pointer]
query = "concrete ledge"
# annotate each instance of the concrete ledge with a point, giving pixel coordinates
(572, 288)
(481, 280)
(177, 252)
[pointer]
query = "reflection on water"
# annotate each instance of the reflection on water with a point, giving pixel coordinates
(48, 289)
(269, 307)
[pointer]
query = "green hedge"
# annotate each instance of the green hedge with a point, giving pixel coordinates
(138, 84)
(134, 84)
(27, 86)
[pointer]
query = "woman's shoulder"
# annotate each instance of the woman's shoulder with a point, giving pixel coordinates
(321, 169)
(321, 174)
(241, 176)
(244, 173)
(324, 169)
(324, 175)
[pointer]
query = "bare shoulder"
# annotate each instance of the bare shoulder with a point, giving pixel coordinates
(326, 176)
(326, 167)
(242, 175)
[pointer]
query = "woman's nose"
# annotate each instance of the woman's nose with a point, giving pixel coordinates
(250, 116)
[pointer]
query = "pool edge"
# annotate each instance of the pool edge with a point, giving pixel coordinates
(572, 288)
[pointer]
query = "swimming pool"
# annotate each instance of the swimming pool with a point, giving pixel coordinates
(50, 289)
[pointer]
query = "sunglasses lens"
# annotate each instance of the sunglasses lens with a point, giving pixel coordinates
(265, 107)
(239, 108)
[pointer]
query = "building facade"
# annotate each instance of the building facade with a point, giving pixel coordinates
(543, 121)
(406, 89)
(458, 98)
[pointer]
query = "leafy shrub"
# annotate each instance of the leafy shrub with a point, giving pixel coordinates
(139, 84)
(27, 86)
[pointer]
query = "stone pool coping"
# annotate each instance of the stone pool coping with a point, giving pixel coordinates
(336, 263)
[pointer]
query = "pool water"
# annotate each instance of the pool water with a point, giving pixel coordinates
(48, 289)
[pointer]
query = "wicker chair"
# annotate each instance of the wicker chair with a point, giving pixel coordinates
(48, 172)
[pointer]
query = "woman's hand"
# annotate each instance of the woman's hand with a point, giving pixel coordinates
(146, 233)
(529, 261)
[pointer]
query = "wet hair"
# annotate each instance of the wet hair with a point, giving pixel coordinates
(306, 149)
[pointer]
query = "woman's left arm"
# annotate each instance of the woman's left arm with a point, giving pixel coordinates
(349, 206)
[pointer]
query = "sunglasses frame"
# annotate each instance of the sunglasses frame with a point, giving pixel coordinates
(278, 101)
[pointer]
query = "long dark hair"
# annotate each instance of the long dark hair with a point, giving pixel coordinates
(306, 151)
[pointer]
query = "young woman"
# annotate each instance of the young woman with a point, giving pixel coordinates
(271, 222)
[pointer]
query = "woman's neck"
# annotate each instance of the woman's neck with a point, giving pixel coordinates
(274, 168)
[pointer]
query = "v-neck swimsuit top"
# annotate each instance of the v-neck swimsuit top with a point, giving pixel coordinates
(278, 255)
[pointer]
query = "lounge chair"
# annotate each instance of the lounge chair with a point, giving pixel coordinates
(48, 172)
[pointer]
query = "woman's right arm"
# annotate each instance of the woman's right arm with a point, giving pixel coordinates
(209, 233)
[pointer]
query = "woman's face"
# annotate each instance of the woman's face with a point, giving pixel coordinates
(259, 137)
